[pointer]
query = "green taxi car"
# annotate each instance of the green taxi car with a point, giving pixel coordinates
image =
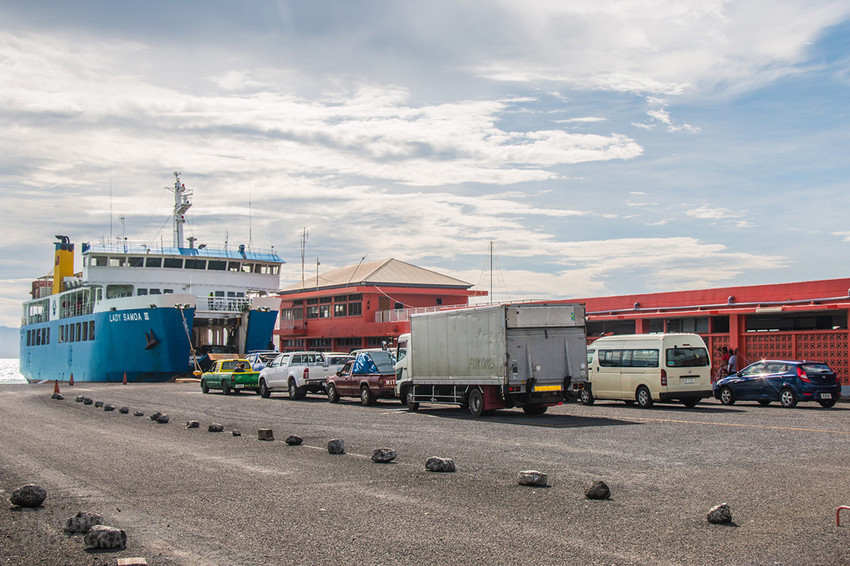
(231, 376)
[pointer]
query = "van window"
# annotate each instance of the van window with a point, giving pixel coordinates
(687, 357)
(633, 358)
(589, 356)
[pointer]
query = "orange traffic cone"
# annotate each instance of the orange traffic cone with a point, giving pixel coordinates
(55, 386)
(125, 379)
(71, 381)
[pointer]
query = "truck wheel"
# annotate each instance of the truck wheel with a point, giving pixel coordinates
(366, 397)
(295, 392)
(403, 394)
(586, 396)
(204, 387)
(644, 397)
(263, 389)
(534, 409)
(224, 388)
(476, 402)
(333, 394)
(411, 404)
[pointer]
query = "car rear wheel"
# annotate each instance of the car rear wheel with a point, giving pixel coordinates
(644, 398)
(726, 396)
(224, 387)
(333, 394)
(204, 387)
(263, 389)
(827, 403)
(787, 398)
(586, 396)
(366, 397)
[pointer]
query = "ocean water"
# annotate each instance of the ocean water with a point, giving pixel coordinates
(9, 372)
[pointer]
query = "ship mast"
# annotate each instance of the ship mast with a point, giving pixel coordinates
(181, 205)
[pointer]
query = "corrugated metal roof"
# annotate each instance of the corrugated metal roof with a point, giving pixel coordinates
(381, 272)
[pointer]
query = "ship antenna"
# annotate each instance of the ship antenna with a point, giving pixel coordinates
(181, 205)
(250, 217)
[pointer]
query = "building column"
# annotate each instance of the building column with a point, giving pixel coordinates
(641, 326)
(737, 330)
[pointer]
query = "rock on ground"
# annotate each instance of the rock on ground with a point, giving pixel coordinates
(336, 446)
(82, 522)
(294, 440)
(532, 478)
(265, 434)
(102, 536)
(215, 427)
(720, 514)
(29, 495)
(437, 464)
(599, 490)
(383, 455)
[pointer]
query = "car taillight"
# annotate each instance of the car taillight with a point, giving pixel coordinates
(664, 377)
(306, 373)
(801, 373)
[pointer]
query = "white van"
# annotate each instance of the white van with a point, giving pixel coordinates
(646, 368)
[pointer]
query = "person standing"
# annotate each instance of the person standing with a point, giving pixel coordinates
(733, 361)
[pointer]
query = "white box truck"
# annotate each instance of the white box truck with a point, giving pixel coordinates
(493, 357)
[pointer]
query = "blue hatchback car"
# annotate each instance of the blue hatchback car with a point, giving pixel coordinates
(786, 381)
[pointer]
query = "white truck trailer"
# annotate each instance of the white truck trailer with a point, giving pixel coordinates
(494, 357)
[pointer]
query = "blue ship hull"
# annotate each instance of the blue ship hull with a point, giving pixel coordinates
(145, 344)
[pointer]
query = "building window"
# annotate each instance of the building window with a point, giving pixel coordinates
(439, 301)
(603, 327)
(655, 326)
(819, 320)
(697, 324)
(720, 324)
(324, 311)
(378, 341)
(398, 306)
(319, 343)
(313, 311)
(340, 309)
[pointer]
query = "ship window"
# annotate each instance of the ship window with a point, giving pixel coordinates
(91, 330)
(176, 262)
(216, 265)
(100, 261)
(234, 266)
(153, 262)
(61, 334)
(247, 267)
(137, 262)
(85, 328)
(116, 291)
(168, 291)
(196, 264)
(155, 291)
(258, 268)
(141, 291)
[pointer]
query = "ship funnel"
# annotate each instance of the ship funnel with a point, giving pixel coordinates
(63, 262)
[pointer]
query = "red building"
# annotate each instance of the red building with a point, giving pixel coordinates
(805, 320)
(362, 306)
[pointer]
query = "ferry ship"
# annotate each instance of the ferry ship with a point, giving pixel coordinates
(144, 312)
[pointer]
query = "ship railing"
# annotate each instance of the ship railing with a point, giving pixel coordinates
(161, 249)
(224, 304)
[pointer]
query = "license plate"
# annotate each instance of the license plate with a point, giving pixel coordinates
(547, 388)
(239, 386)
(688, 380)
(826, 395)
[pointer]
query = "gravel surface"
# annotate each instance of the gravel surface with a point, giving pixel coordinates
(188, 496)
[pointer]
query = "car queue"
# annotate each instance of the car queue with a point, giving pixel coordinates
(635, 369)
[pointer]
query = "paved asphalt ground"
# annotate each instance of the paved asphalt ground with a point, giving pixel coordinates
(188, 496)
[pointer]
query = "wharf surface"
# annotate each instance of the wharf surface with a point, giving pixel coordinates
(191, 497)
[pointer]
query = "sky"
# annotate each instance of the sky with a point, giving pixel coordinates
(603, 147)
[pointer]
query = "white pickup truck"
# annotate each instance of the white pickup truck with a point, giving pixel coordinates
(300, 372)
